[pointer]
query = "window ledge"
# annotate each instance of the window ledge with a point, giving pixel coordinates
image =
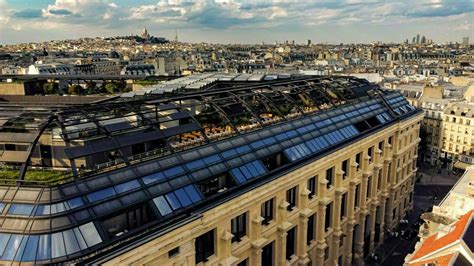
(293, 259)
(237, 244)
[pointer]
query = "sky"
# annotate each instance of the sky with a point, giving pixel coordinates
(239, 21)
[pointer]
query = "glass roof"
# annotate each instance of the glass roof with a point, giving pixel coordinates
(171, 184)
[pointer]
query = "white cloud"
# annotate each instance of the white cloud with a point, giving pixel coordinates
(226, 15)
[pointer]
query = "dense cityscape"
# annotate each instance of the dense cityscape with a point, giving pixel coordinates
(144, 150)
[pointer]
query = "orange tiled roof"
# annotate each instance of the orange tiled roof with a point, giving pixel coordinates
(438, 261)
(432, 243)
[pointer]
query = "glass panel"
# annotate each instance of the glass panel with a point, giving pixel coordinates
(60, 207)
(245, 172)
(229, 153)
(162, 205)
(3, 242)
(80, 239)
(238, 175)
(195, 164)
(133, 184)
(159, 188)
(132, 197)
(21, 249)
(173, 201)
(235, 162)
(44, 248)
(291, 133)
(153, 178)
(257, 144)
(260, 168)
(281, 136)
(91, 236)
(2, 206)
(70, 241)
(57, 245)
(180, 181)
(12, 247)
(311, 146)
(183, 197)
(201, 174)
(53, 208)
(43, 210)
(290, 154)
(30, 250)
(101, 194)
(252, 169)
(174, 171)
(107, 206)
(75, 202)
(212, 159)
(243, 149)
(20, 209)
(193, 193)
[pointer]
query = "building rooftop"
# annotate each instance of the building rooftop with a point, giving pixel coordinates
(440, 247)
(201, 148)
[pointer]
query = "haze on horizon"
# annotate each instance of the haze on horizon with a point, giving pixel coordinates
(238, 21)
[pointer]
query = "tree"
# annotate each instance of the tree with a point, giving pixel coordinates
(75, 89)
(50, 88)
(91, 87)
(112, 87)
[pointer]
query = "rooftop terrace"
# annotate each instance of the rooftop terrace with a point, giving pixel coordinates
(167, 157)
(95, 136)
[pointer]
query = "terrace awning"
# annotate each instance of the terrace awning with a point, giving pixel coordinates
(14, 156)
(462, 165)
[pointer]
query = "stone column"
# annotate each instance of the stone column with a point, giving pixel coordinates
(351, 200)
(191, 257)
(365, 162)
(280, 252)
(381, 219)
(378, 166)
(363, 192)
(320, 233)
(358, 256)
(255, 255)
(353, 171)
(301, 246)
(385, 173)
(348, 247)
(371, 222)
(389, 214)
(305, 212)
(282, 227)
(224, 248)
(255, 234)
(336, 225)
(351, 221)
(375, 182)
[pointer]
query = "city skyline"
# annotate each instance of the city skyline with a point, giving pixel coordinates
(238, 21)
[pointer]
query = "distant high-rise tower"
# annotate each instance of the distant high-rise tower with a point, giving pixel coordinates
(176, 35)
(423, 39)
(308, 42)
(418, 38)
(414, 40)
(465, 40)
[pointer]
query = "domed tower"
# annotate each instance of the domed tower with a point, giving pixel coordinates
(145, 34)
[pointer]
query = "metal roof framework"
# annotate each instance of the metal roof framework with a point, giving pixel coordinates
(226, 109)
(170, 183)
